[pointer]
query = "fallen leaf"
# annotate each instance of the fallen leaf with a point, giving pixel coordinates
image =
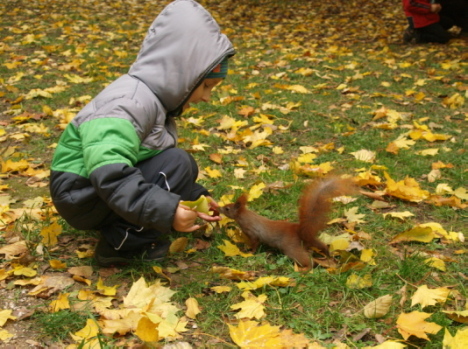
(147, 330)
(418, 233)
(251, 307)
(458, 316)
(355, 281)
(378, 308)
(427, 297)
(60, 303)
(251, 334)
(231, 250)
(436, 263)
(192, 308)
(50, 233)
(5, 315)
(414, 324)
(178, 245)
(459, 341)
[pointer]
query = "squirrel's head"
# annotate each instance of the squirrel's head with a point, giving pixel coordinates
(232, 210)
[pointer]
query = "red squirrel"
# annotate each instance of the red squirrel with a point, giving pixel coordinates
(293, 239)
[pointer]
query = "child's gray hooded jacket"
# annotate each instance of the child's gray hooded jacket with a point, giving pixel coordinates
(132, 120)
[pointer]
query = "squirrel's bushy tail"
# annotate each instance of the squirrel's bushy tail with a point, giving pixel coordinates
(315, 204)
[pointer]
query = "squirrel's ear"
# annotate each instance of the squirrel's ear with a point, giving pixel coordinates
(242, 200)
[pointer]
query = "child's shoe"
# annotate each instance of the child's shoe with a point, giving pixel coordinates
(107, 256)
(409, 36)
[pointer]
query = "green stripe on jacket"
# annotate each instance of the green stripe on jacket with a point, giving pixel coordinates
(97, 143)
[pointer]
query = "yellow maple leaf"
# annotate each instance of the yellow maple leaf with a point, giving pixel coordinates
(123, 325)
(82, 279)
(251, 334)
(35, 128)
(4, 274)
(400, 143)
(12, 65)
(400, 215)
(76, 79)
(427, 297)
(171, 326)
(265, 280)
(263, 119)
(147, 330)
(84, 254)
(60, 303)
(90, 330)
(213, 173)
(355, 281)
(339, 244)
(257, 138)
(306, 158)
(239, 173)
(106, 290)
(200, 146)
(353, 217)
(5, 315)
(246, 111)
(251, 307)
(311, 170)
(364, 155)
(256, 191)
(233, 274)
(14, 166)
(414, 324)
(418, 233)
(367, 255)
(231, 250)
(428, 152)
(141, 294)
(454, 101)
(388, 345)
(407, 189)
(56, 264)
(435, 262)
(367, 178)
(403, 142)
(34, 93)
(305, 71)
(459, 341)
(221, 289)
(458, 316)
(461, 193)
(229, 123)
(50, 233)
(432, 137)
(20, 270)
(5, 335)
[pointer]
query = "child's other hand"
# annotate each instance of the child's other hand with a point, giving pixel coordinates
(436, 8)
(185, 218)
(213, 206)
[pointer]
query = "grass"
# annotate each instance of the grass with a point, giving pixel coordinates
(57, 326)
(351, 69)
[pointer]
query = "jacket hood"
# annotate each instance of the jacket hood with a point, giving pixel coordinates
(183, 44)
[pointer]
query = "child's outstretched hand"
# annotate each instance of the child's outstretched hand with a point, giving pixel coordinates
(185, 217)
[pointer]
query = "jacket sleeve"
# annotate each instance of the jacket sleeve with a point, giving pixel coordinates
(418, 6)
(123, 188)
(110, 148)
